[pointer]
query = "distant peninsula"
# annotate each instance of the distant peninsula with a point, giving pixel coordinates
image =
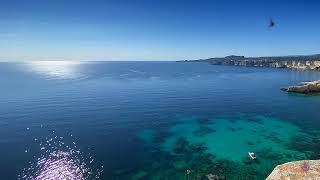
(310, 62)
(300, 62)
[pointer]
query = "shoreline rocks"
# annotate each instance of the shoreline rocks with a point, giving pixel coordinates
(306, 88)
(304, 169)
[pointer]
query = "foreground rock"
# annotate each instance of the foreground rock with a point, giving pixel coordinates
(306, 88)
(296, 170)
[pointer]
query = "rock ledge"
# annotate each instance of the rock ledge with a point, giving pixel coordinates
(306, 88)
(296, 170)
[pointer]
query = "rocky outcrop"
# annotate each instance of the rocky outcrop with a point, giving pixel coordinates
(297, 170)
(306, 88)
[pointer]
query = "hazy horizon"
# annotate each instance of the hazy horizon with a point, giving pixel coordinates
(153, 31)
(150, 60)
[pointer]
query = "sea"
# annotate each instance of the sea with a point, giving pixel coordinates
(152, 120)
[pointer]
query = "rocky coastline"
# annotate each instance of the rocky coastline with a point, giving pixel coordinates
(305, 88)
(294, 64)
(311, 62)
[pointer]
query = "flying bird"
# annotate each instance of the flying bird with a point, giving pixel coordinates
(271, 23)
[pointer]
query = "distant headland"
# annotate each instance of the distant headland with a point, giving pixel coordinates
(305, 62)
(309, 62)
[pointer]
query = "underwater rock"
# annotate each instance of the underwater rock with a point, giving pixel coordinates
(269, 154)
(250, 143)
(180, 164)
(305, 88)
(232, 129)
(254, 119)
(182, 141)
(204, 130)
(161, 136)
(226, 169)
(139, 175)
(288, 155)
(212, 177)
(233, 120)
(181, 145)
(275, 139)
(193, 156)
(204, 121)
(304, 143)
(247, 160)
(254, 131)
(200, 147)
(305, 169)
(178, 149)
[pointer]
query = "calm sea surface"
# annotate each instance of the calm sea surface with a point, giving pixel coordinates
(152, 120)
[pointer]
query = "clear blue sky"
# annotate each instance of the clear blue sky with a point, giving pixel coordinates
(155, 30)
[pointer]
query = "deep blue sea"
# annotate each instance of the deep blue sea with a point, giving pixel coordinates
(152, 120)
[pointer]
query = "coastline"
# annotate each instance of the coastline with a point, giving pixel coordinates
(311, 62)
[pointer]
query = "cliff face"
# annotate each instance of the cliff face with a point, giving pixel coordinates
(293, 64)
(311, 65)
(304, 170)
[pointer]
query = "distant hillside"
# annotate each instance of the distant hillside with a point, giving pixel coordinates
(311, 62)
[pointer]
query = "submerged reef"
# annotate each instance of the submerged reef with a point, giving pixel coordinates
(191, 161)
(308, 144)
(204, 130)
(205, 121)
(217, 148)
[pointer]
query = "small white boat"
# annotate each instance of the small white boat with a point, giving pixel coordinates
(252, 155)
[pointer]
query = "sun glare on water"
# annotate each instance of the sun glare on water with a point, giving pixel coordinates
(55, 69)
(58, 160)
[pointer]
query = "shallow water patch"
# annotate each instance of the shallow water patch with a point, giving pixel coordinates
(220, 146)
(232, 140)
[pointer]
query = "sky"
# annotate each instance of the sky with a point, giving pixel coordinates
(156, 29)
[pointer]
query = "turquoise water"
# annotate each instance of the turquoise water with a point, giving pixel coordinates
(232, 139)
(152, 120)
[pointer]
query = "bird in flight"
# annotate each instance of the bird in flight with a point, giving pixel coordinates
(271, 23)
